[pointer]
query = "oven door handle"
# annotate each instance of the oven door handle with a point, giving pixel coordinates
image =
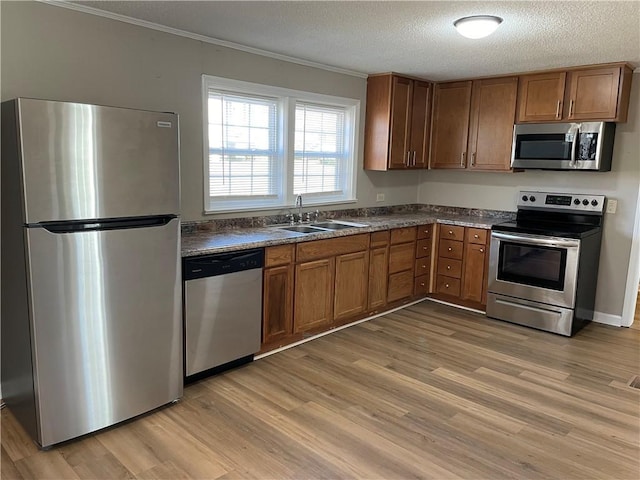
(537, 240)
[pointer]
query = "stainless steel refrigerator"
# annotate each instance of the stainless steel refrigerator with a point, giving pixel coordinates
(91, 293)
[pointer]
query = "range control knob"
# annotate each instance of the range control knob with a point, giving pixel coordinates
(594, 203)
(585, 202)
(577, 201)
(525, 198)
(532, 198)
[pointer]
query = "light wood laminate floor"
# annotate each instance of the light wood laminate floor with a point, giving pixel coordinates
(426, 392)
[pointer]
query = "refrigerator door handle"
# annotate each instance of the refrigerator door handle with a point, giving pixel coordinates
(104, 224)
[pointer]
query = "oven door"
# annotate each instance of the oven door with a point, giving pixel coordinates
(534, 267)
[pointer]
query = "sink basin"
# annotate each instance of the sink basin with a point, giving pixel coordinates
(338, 225)
(321, 226)
(303, 229)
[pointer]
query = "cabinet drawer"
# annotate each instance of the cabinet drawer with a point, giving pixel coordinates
(331, 247)
(450, 267)
(450, 249)
(425, 231)
(423, 248)
(279, 255)
(401, 257)
(448, 285)
(400, 286)
(477, 235)
(379, 239)
(402, 235)
(422, 266)
(451, 232)
(421, 285)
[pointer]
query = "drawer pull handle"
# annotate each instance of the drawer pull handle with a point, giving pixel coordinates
(450, 232)
(449, 249)
(448, 267)
(482, 250)
(476, 236)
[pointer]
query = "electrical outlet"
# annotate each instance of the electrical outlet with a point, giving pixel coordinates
(380, 197)
(612, 205)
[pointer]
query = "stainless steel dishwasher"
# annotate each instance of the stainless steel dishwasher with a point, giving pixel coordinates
(222, 310)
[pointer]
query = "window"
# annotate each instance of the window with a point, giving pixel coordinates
(265, 145)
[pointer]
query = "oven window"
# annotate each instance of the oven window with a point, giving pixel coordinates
(552, 146)
(532, 265)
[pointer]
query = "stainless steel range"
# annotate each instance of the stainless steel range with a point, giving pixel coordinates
(543, 267)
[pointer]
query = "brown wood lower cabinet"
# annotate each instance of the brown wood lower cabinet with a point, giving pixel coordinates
(462, 265)
(277, 302)
(378, 271)
(313, 297)
(401, 263)
(351, 285)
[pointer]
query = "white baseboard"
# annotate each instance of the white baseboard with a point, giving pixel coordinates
(607, 319)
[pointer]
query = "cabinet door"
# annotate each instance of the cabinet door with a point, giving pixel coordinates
(419, 133)
(400, 110)
(474, 266)
(493, 111)
(593, 94)
(277, 303)
(313, 297)
(400, 285)
(351, 285)
(451, 106)
(540, 97)
(401, 257)
(378, 268)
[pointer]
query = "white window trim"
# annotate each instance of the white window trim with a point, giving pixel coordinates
(288, 98)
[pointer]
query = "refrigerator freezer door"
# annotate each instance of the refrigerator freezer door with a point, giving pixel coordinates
(85, 161)
(107, 328)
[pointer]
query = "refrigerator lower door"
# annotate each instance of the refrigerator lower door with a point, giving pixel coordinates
(106, 326)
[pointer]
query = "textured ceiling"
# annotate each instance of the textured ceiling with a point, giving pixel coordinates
(415, 38)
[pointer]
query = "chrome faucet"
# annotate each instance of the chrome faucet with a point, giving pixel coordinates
(299, 206)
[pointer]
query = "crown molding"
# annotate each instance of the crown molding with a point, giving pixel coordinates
(200, 38)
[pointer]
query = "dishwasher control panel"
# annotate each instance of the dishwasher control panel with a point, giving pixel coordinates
(221, 263)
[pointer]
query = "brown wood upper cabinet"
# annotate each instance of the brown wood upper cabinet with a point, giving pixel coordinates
(397, 123)
(473, 124)
(596, 93)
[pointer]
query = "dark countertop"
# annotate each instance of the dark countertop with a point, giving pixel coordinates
(199, 243)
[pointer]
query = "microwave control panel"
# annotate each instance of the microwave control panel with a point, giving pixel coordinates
(580, 202)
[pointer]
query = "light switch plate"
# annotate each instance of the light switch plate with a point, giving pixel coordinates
(380, 197)
(612, 205)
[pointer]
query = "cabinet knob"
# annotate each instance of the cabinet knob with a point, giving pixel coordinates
(448, 267)
(424, 248)
(450, 232)
(482, 250)
(449, 249)
(446, 285)
(422, 284)
(424, 266)
(476, 236)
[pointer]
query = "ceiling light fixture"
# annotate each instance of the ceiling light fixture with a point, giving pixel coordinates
(477, 26)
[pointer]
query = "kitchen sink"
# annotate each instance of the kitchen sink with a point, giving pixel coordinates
(303, 229)
(321, 226)
(334, 225)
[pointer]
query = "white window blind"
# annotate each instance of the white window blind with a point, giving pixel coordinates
(243, 147)
(320, 152)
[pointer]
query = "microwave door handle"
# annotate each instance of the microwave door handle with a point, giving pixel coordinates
(574, 145)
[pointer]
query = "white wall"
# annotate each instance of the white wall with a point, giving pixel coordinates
(500, 190)
(60, 54)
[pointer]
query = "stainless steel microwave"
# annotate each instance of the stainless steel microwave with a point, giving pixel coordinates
(563, 146)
